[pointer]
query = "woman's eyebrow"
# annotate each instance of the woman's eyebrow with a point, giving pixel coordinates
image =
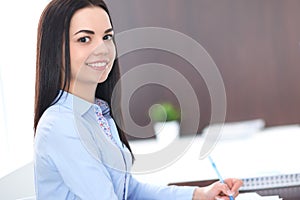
(85, 31)
(108, 30)
(92, 32)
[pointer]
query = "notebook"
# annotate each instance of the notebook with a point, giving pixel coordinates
(255, 196)
(275, 181)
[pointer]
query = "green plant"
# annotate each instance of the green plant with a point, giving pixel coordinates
(164, 112)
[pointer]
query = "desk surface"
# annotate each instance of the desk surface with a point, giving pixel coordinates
(272, 151)
(287, 193)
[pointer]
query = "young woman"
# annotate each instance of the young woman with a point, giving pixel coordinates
(80, 153)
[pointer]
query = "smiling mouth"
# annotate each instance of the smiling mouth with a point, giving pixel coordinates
(98, 65)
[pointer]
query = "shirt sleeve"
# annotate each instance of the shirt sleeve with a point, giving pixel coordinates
(139, 190)
(65, 167)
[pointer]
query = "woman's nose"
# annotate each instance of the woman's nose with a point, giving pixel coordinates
(101, 49)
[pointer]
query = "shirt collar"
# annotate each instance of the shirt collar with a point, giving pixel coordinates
(73, 102)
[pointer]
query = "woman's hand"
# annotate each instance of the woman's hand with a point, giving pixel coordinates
(218, 190)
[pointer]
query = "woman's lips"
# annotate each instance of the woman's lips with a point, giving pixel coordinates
(100, 65)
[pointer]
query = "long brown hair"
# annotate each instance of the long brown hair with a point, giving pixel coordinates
(53, 31)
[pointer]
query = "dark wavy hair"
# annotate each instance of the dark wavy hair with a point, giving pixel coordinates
(53, 36)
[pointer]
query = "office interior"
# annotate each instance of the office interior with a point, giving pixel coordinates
(255, 45)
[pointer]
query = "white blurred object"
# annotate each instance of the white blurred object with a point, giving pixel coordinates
(166, 132)
(236, 130)
(18, 185)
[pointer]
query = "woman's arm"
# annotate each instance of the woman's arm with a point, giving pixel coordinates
(219, 190)
(138, 190)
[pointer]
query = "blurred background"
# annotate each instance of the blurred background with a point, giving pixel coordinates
(18, 22)
(255, 45)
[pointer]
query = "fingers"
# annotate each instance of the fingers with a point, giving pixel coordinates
(221, 198)
(234, 184)
(224, 189)
(218, 190)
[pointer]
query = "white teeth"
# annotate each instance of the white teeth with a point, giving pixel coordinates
(100, 64)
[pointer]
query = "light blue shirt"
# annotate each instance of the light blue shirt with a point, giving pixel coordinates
(74, 159)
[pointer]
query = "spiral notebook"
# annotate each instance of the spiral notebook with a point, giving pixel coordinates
(275, 181)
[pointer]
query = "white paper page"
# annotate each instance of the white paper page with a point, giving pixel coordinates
(248, 196)
(255, 196)
(271, 198)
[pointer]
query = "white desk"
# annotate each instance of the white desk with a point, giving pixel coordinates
(269, 152)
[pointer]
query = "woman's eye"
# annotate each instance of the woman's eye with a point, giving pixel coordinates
(108, 37)
(84, 39)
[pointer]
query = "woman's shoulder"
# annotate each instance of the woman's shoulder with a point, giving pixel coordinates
(55, 126)
(57, 113)
(55, 120)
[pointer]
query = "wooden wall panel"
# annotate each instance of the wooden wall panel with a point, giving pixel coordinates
(255, 44)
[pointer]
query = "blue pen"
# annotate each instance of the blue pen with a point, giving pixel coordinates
(218, 173)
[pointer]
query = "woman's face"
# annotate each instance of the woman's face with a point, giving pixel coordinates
(92, 50)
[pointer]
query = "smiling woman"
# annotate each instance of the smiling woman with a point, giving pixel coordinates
(80, 153)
